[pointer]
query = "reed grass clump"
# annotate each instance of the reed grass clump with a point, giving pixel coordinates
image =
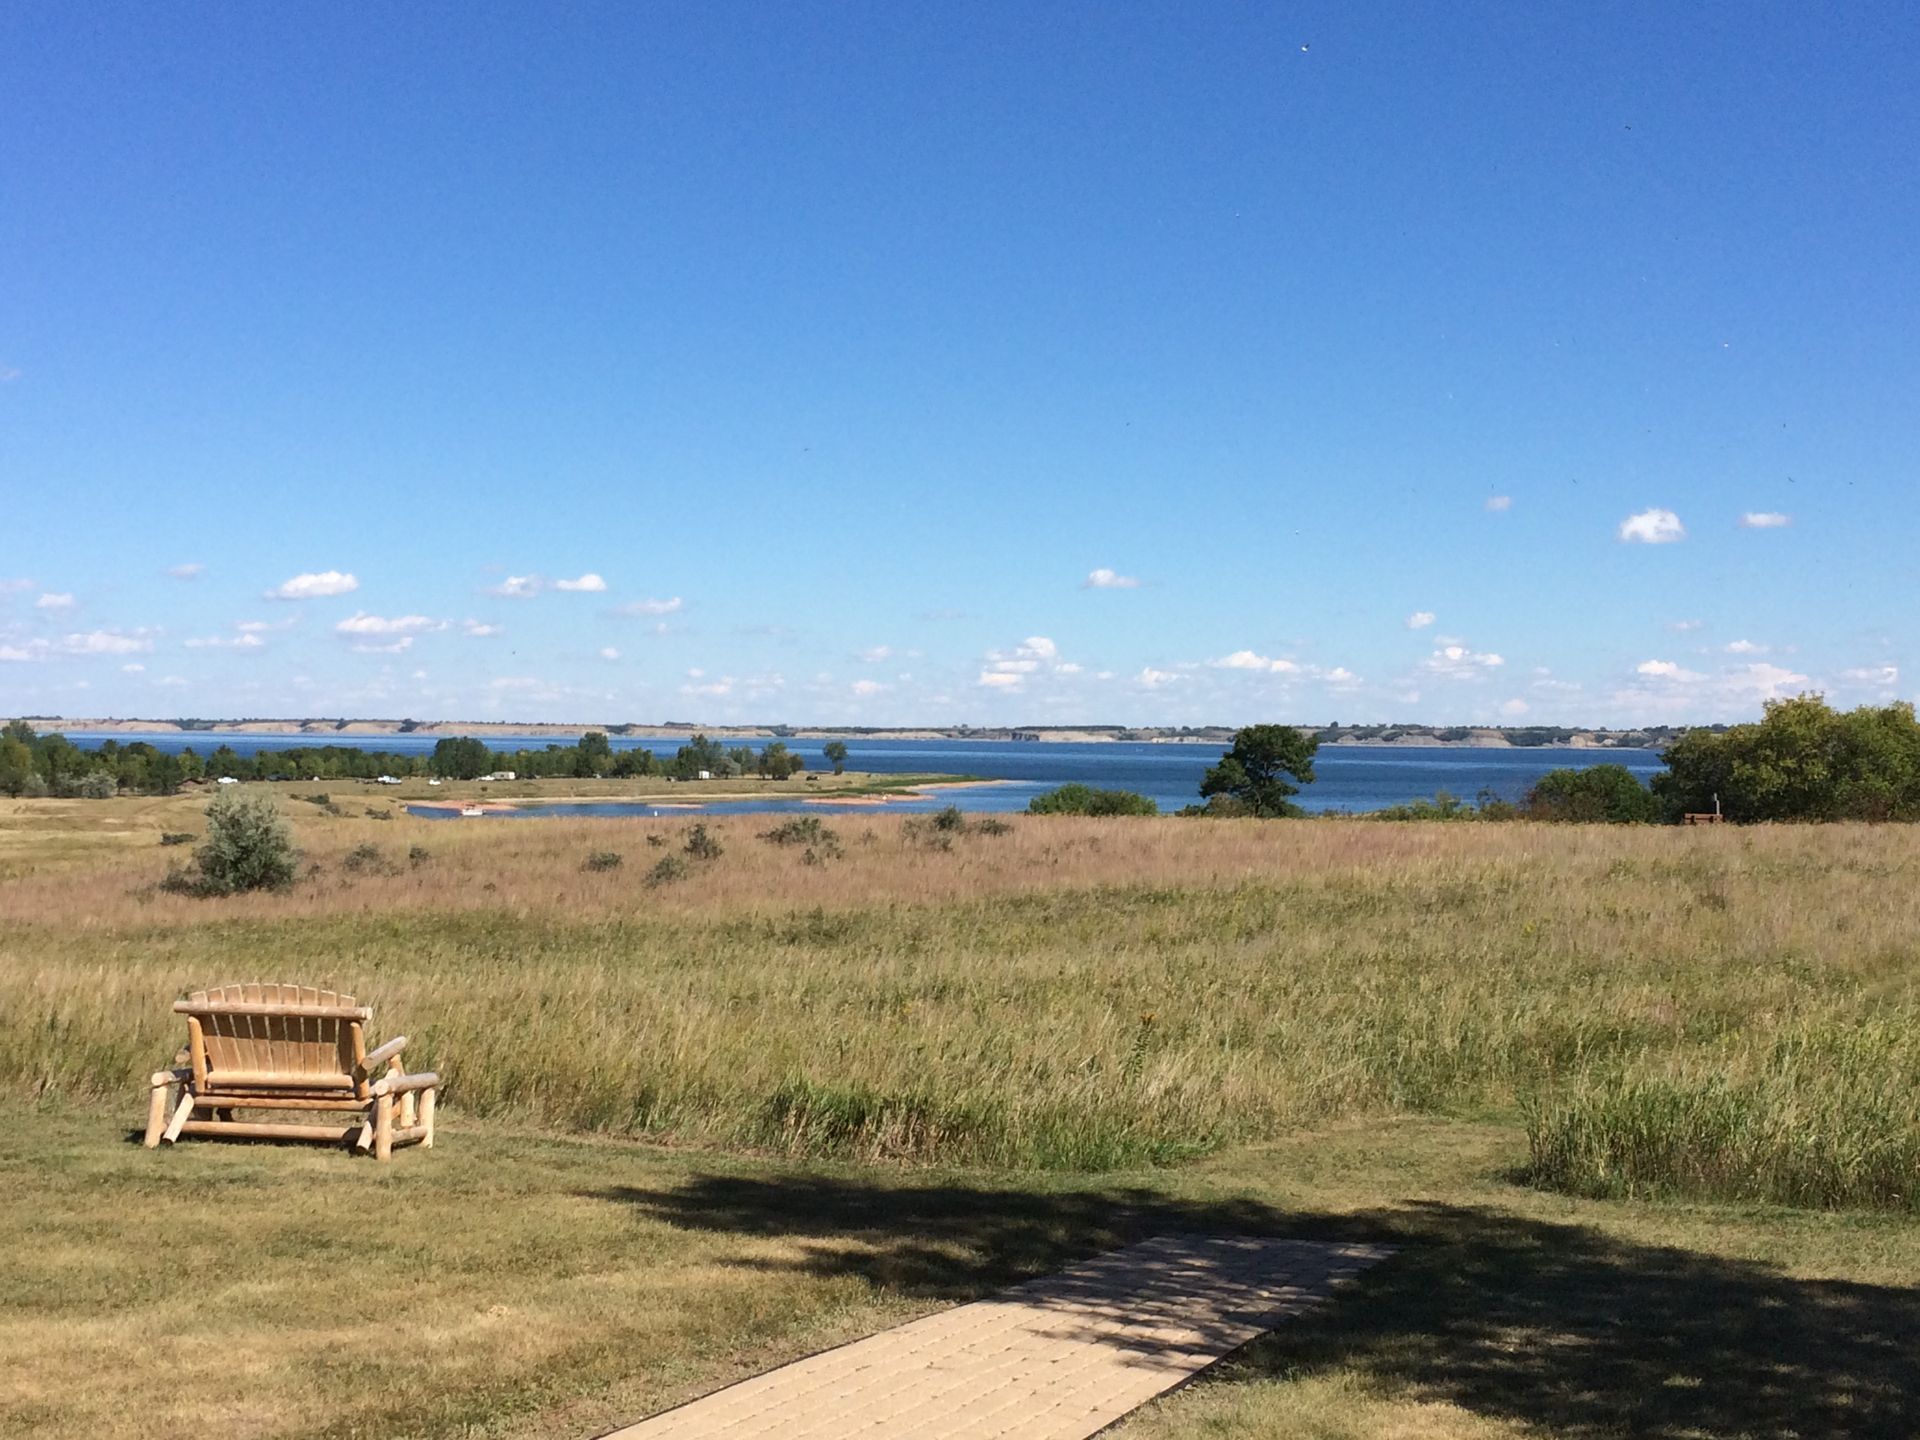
(1821, 1116)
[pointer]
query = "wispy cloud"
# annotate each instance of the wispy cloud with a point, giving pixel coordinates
(1873, 675)
(192, 570)
(13, 587)
(866, 688)
(589, 582)
(607, 652)
(108, 642)
(671, 606)
(1105, 579)
(316, 586)
(55, 600)
(1652, 527)
(362, 624)
(1684, 625)
(1498, 503)
(1154, 679)
(1420, 619)
(1765, 520)
(517, 587)
(481, 630)
(248, 640)
(875, 654)
(1745, 647)
(1457, 662)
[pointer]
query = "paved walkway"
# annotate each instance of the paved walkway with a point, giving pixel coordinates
(1058, 1358)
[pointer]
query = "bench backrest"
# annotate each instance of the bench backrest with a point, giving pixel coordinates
(263, 1036)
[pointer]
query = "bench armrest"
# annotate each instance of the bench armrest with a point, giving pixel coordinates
(376, 1058)
(401, 1084)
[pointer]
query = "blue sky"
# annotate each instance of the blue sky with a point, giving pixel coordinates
(749, 362)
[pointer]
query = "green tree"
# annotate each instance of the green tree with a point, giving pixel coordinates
(16, 763)
(462, 758)
(777, 762)
(835, 752)
(1257, 775)
(595, 756)
(1609, 794)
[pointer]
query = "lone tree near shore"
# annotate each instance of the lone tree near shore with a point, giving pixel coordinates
(836, 753)
(1256, 775)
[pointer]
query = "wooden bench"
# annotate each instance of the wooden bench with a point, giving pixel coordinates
(288, 1048)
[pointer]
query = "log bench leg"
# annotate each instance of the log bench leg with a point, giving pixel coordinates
(426, 1119)
(383, 1127)
(157, 1093)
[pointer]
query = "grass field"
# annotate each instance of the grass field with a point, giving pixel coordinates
(1641, 1103)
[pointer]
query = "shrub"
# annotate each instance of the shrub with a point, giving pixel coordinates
(666, 870)
(994, 825)
(249, 846)
(373, 814)
(949, 820)
(321, 799)
(701, 844)
(602, 860)
(418, 855)
(1077, 799)
(96, 785)
(1597, 793)
(176, 837)
(367, 860)
(800, 830)
(1443, 806)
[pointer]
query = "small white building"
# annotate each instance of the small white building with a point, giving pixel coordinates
(226, 780)
(500, 775)
(387, 780)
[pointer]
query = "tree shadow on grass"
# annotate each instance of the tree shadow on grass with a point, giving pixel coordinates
(1557, 1326)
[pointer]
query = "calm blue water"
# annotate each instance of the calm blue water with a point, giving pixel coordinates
(1350, 777)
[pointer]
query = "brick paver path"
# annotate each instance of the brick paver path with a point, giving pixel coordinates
(1058, 1358)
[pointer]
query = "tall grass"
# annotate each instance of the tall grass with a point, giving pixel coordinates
(1071, 994)
(1820, 1116)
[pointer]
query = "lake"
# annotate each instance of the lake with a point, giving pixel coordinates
(1351, 777)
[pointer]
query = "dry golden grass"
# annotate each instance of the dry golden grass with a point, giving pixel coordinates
(1344, 1013)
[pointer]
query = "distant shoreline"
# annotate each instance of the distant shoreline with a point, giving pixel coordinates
(322, 732)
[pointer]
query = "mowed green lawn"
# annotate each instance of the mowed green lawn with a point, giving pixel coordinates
(694, 1130)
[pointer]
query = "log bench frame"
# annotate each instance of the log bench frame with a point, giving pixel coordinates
(288, 1048)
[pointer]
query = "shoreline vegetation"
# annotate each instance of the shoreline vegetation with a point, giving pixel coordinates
(863, 789)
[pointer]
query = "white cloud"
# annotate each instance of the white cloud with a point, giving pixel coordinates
(1765, 520)
(999, 680)
(650, 607)
(1154, 679)
(1065, 668)
(399, 646)
(1105, 579)
(723, 686)
(865, 688)
(247, 641)
(1765, 682)
(1420, 619)
(1873, 675)
(1498, 503)
(19, 654)
(1016, 667)
(361, 623)
(480, 630)
(875, 654)
(107, 642)
(53, 600)
(1247, 660)
(1745, 647)
(192, 570)
(1667, 670)
(1340, 675)
(136, 668)
(1039, 647)
(176, 681)
(1514, 708)
(315, 586)
(517, 587)
(1684, 625)
(1653, 527)
(588, 582)
(607, 652)
(1457, 662)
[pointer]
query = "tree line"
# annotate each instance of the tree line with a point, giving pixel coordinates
(32, 764)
